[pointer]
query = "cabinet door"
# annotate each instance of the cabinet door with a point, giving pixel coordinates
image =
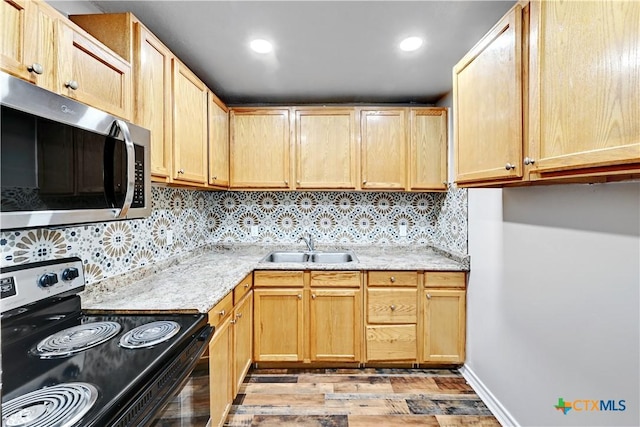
(153, 97)
(242, 340)
(391, 343)
(325, 149)
(218, 143)
(335, 319)
(428, 155)
(92, 74)
(220, 373)
(392, 305)
(13, 53)
(278, 328)
(585, 84)
(444, 323)
(487, 101)
(384, 147)
(259, 151)
(189, 126)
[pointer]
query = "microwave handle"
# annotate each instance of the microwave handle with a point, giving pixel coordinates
(131, 166)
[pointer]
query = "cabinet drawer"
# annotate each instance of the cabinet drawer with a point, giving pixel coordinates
(440, 279)
(278, 279)
(329, 279)
(393, 278)
(242, 288)
(391, 342)
(221, 310)
(392, 305)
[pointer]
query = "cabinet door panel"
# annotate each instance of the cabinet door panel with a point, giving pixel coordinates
(218, 143)
(428, 160)
(392, 305)
(585, 99)
(14, 32)
(487, 86)
(335, 325)
(384, 149)
(220, 373)
(444, 322)
(259, 149)
(242, 340)
(325, 142)
(391, 343)
(278, 325)
(153, 97)
(190, 126)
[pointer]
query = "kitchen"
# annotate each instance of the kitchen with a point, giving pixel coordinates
(551, 250)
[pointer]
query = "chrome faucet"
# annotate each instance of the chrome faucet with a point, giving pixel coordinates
(309, 241)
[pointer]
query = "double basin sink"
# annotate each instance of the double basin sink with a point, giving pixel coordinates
(333, 257)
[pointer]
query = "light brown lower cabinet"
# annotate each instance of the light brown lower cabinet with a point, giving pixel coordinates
(444, 324)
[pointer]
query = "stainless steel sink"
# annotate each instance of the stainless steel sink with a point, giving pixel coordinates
(334, 257)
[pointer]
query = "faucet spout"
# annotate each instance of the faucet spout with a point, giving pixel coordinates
(309, 241)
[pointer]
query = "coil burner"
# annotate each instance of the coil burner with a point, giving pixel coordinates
(74, 340)
(149, 334)
(60, 405)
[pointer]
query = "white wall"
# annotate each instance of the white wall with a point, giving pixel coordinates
(553, 299)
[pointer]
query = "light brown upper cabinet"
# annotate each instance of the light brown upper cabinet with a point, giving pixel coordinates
(27, 50)
(325, 141)
(584, 87)
(218, 143)
(428, 149)
(550, 93)
(259, 148)
(487, 87)
(383, 134)
(189, 125)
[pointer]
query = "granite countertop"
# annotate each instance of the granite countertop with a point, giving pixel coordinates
(197, 281)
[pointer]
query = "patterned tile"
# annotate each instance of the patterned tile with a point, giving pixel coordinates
(197, 218)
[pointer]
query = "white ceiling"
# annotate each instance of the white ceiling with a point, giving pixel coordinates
(324, 51)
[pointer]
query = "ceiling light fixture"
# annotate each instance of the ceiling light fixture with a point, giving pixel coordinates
(410, 44)
(261, 46)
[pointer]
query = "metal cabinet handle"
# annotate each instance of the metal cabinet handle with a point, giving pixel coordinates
(72, 84)
(299, 296)
(509, 166)
(36, 68)
(393, 279)
(428, 296)
(528, 161)
(364, 182)
(222, 313)
(313, 296)
(246, 286)
(238, 315)
(392, 307)
(215, 177)
(233, 322)
(298, 182)
(286, 183)
(181, 171)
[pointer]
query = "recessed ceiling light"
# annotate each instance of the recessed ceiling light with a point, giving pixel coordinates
(411, 43)
(261, 46)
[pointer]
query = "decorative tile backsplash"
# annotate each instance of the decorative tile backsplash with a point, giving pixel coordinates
(195, 218)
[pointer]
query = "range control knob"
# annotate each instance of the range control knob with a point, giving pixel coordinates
(48, 279)
(69, 274)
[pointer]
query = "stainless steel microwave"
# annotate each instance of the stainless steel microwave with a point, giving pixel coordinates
(63, 162)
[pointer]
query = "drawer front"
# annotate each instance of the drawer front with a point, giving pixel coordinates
(221, 310)
(392, 305)
(330, 279)
(393, 278)
(439, 279)
(242, 288)
(391, 342)
(278, 279)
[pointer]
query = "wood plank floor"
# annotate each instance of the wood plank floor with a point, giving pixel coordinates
(358, 398)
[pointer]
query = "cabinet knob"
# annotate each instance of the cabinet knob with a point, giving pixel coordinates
(313, 296)
(364, 182)
(35, 68)
(215, 177)
(509, 166)
(428, 296)
(393, 279)
(239, 315)
(299, 296)
(181, 171)
(298, 182)
(233, 322)
(246, 286)
(392, 307)
(72, 84)
(528, 161)
(286, 182)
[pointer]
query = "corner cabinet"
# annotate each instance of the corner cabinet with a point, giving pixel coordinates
(550, 94)
(259, 148)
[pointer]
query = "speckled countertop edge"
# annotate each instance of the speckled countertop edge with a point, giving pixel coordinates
(196, 281)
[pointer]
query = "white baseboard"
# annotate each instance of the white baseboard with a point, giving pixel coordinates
(499, 411)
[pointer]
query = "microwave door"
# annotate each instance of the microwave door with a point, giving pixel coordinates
(119, 169)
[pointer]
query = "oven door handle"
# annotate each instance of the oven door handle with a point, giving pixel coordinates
(121, 126)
